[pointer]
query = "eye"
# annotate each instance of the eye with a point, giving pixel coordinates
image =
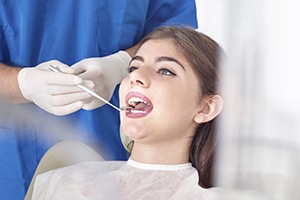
(166, 72)
(131, 69)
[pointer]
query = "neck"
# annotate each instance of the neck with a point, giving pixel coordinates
(171, 153)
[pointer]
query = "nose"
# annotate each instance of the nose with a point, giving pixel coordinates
(140, 77)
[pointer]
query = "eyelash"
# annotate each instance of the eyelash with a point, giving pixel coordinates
(131, 69)
(162, 71)
(166, 72)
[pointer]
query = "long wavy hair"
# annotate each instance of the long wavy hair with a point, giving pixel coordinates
(204, 55)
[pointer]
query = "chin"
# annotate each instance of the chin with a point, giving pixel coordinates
(133, 132)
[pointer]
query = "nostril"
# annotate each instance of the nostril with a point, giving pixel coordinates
(140, 82)
(137, 81)
(139, 78)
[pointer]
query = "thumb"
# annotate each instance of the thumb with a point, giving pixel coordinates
(78, 68)
(66, 69)
(89, 84)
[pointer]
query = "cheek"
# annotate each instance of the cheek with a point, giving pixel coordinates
(175, 105)
(179, 97)
(181, 103)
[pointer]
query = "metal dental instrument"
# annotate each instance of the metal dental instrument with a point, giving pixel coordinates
(84, 88)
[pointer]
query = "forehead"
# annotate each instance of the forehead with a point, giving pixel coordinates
(163, 48)
(160, 47)
(155, 48)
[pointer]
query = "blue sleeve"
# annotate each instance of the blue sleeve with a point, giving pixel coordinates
(170, 12)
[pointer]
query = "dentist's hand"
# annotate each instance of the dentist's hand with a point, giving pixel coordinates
(54, 92)
(105, 73)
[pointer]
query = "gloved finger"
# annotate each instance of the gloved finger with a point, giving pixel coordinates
(57, 78)
(79, 68)
(43, 101)
(63, 89)
(63, 67)
(88, 100)
(87, 71)
(67, 70)
(65, 109)
(90, 74)
(89, 84)
(65, 99)
(93, 104)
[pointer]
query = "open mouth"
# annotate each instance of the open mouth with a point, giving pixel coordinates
(136, 103)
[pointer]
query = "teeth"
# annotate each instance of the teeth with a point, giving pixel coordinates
(137, 111)
(135, 101)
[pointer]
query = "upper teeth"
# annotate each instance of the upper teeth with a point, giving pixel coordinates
(133, 101)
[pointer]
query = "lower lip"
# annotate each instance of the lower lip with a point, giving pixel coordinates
(137, 114)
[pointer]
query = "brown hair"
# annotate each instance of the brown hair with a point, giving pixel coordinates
(203, 54)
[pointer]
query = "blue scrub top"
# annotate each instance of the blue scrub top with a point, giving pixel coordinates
(34, 31)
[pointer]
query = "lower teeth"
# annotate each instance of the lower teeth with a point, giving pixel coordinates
(137, 111)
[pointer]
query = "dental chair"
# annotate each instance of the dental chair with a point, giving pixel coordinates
(63, 154)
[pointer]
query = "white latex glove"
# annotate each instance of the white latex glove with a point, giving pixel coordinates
(54, 92)
(105, 73)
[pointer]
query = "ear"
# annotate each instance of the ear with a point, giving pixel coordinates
(210, 107)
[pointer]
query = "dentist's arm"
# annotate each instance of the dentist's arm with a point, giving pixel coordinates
(55, 93)
(9, 87)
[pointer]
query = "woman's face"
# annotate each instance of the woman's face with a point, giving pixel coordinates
(165, 92)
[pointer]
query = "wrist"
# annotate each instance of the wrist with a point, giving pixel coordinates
(132, 50)
(9, 88)
(21, 78)
(125, 59)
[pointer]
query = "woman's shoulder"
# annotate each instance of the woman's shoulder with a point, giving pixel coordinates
(79, 171)
(90, 167)
(72, 180)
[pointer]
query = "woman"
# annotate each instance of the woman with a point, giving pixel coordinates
(172, 100)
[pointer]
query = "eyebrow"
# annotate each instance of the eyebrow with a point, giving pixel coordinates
(159, 59)
(139, 58)
(169, 59)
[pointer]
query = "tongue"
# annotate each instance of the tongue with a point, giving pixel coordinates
(143, 107)
(140, 106)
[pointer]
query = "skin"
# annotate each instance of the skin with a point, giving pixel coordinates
(9, 88)
(165, 134)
